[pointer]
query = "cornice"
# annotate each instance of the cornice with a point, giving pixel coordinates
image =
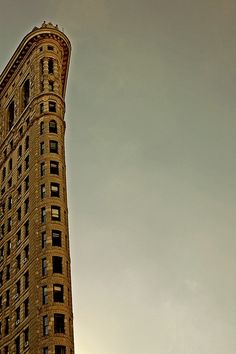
(37, 34)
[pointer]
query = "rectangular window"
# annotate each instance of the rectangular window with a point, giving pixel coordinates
(53, 146)
(27, 142)
(45, 325)
(26, 227)
(26, 337)
(8, 247)
(26, 205)
(57, 264)
(54, 167)
(51, 85)
(27, 162)
(26, 308)
(41, 108)
(42, 148)
(8, 272)
(26, 279)
(19, 192)
(6, 350)
(43, 191)
(27, 183)
(59, 323)
(44, 239)
(17, 345)
(7, 322)
(45, 350)
(43, 215)
(19, 214)
(42, 169)
(26, 93)
(58, 293)
(9, 204)
(60, 349)
(44, 295)
(52, 106)
(56, 238)
(7, 298)
(26, 253)
(19, 151)
(18, 259)
(10, 183)
(9, 224)
(17, 316)
(19, 171)
(44, 266)
(55, 189)
(17, 289)
(55, 213)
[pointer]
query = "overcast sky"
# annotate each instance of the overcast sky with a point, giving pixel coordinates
(151, 165)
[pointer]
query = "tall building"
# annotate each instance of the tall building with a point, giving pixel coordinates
(35, 277)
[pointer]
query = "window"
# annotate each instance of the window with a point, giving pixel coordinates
(7, 298)
(17, 345)
(26, 253)
(26, 93)
(8, 247)
(54, 167)
(27, 142)
(26, 337)
(56, 238)
(21, 131)
(60, 349)
(59, 325)
(27, 121)
(19, 171)
(9, 224)
(52, 106)
(19, 214)
(52, 126)
(17, 316)
(55, 192)
(10, 183)
(8, 272)
(10, 164)
(43, 215)
(18, 258)
(42, 148)
(58, 293)
(11, 115)
(53, 146)
(50, 47)
(57, 264)
(17, 289)
(3, 173)
(45, 325)
(27, 162)
(41, 109)
(26, 308)
(26, 279)
(7, 322)
(27, 183)
(44, 295)
(18, 192)
(43, 191)
(41, 66)
(41, 128)
(1, 278)
(18, 235)
(51, 85)
(26, 205)
(44, 266)
(5, 350)
(26, 226)
(45, 350)
(56, 213)
(44, 239)
(9, 204)
(42, 169)
(19, 151)
(50, 66)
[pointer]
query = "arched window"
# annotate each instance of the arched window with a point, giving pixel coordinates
(52, 126)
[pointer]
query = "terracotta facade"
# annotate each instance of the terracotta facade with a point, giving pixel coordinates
(35, 278)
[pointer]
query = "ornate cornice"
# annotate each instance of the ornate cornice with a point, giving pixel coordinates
(37, 34)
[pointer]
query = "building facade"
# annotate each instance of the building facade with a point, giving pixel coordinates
(35, 277)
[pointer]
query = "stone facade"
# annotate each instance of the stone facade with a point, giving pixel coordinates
(35, 278)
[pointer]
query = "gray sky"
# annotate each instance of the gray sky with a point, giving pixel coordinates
(151, 169)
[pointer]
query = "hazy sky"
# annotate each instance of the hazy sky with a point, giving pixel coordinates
(151, 165)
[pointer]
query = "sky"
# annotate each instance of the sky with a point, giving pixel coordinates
(151, 169)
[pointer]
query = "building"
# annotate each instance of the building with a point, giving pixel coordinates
(35, 285)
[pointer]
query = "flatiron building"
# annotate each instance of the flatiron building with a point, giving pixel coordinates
(35, 276)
